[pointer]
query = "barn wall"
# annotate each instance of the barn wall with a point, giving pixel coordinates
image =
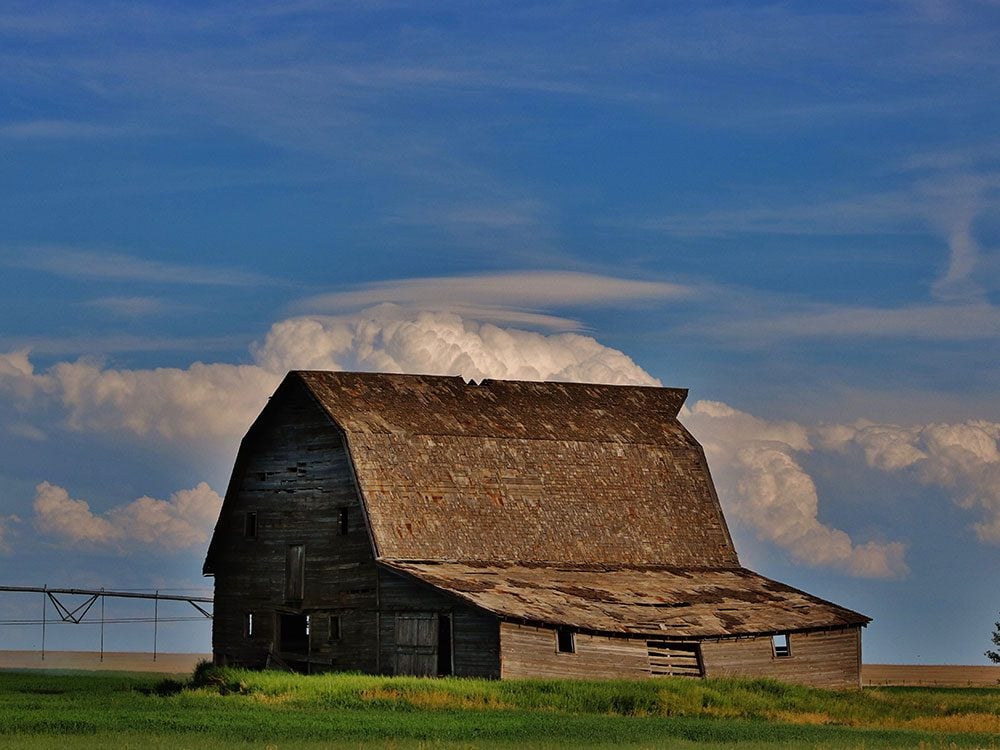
(293, 471)
(475, 634)
(531, 652)
(829, 659)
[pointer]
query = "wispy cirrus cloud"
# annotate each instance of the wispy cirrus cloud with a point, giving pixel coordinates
(961, 322)
(6, 531)
(112, 266)
(130, 307)
(97, 345)
(67, 130)
(512, 297)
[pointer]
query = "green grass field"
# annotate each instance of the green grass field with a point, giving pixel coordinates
(231, 708)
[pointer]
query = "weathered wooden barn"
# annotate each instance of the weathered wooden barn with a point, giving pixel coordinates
(406, 524)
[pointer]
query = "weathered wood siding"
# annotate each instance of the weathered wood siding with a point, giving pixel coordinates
(829, 659)
(293, 472)
(475, 634)
(531, 652)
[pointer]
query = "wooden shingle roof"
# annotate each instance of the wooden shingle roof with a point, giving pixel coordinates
(652, 601)
(512, 471)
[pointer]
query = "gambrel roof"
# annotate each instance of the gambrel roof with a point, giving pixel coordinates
(526, 472)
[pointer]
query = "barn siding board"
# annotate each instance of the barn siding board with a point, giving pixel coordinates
(828, 659)
(528, 651)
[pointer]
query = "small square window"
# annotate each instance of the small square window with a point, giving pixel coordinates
(565, 641)
(250, 525)
(334, 634)
(343, 525)
(782, 645)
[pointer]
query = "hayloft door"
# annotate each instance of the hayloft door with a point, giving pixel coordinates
(416, 644)
(295, 573)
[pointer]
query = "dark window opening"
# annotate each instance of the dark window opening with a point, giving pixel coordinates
(250, 525)
(248, 625)
(261, 476)
(565, 642)
(674, 659)
(334, 634)
(343, 521)
(444, 665)
(782, 645)
(295, 572)
(293, 633)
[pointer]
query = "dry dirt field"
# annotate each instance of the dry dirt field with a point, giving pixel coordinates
(930, 675)
(91, 660)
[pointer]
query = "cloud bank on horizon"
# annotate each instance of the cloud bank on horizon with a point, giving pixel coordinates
(757, 462)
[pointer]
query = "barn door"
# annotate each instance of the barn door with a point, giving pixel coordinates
(416, 644)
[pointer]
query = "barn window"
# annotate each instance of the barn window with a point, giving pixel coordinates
(565, 641)
(295, 572)
(248, 625)
(334, 634)
(343, 521)
(782, 645)
(250, 525)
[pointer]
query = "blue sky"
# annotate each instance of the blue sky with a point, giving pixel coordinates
(789, 208)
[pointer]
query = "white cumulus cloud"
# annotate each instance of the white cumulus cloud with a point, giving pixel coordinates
(218, 401)
(185, 520)
(961, 458)
(768, 491)
(756, 461)
(387, 338)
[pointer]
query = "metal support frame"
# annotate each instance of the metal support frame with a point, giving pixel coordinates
(75, 612)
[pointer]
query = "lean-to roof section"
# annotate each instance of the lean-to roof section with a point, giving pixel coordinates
(657, 601)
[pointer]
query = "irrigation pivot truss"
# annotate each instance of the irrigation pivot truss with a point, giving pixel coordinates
(76, 611)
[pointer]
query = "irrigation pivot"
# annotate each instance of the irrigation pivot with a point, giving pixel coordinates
(75, 612)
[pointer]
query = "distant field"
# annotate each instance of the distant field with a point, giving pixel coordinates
(929, 675)
(119, 661)
(872, 675)
(231, 708)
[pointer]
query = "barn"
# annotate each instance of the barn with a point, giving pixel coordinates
(425, 525)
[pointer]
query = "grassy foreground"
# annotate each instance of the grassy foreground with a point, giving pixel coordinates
(233, 708)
